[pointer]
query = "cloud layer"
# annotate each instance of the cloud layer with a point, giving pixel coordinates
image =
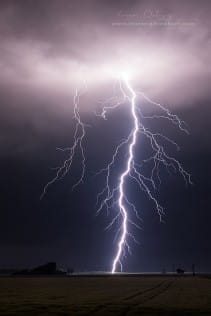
(50, 47)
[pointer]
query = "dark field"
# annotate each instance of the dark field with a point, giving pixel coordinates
(105, 296)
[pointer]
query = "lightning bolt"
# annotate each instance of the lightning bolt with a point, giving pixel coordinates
(115, 196)
(79, 135)
(118, 195)
(124, 175)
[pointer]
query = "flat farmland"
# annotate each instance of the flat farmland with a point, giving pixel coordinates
(113, 295)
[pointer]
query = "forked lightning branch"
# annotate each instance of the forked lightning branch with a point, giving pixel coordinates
(115, 198)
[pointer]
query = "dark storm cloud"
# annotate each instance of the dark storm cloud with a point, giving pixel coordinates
(46, 49)
(49, 47)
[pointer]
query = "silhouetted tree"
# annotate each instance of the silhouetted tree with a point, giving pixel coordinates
(193, 269)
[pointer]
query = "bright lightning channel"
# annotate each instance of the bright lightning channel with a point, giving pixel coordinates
(123, 176)
(116, 196)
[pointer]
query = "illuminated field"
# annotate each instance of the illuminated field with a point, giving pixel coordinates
(114, 295)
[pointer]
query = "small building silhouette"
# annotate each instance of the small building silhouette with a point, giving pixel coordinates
(180, 271)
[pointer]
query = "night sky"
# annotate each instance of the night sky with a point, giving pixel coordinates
(47, 48)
